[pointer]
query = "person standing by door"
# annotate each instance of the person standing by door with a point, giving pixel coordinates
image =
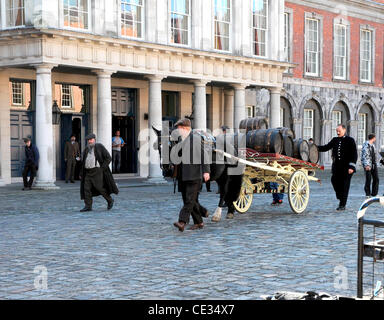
(369, 162)
(31, 163)
(117, 144)
(71, 155)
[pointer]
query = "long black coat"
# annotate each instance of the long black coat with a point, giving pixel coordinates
(104, 159)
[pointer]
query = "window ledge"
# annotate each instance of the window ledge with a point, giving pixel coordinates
(341, 80)
(309, 77)
(363, 83)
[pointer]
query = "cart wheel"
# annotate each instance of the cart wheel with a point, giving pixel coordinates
(298, 192)
(243, 203)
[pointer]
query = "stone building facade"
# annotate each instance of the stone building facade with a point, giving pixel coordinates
(128, 65)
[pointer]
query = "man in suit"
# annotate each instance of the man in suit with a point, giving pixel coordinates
(31, 163)
(344, 155)
(192, 170)
(96, 177)
(71, 155)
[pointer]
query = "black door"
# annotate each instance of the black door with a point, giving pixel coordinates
(21, 127)
(124, 120)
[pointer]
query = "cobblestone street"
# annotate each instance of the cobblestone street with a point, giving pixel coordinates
(134, 251)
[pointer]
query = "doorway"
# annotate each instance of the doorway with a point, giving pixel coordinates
(124, 120)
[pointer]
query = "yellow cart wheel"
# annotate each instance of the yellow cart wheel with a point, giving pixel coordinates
(244, 201)
(298, 192)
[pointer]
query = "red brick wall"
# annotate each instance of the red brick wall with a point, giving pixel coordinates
(327, 67)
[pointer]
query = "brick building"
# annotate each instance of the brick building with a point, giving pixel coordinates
(337, 49)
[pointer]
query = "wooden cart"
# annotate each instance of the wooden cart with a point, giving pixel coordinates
(292, 175)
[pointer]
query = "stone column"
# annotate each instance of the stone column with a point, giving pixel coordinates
(228, 108)
(378, 135)
(200, 105)
(154, 119)
(44, 129)
(274, 116)
(239, 105)
(353, 129)
(104, 108)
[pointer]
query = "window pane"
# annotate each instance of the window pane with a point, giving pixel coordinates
(222, 17)
(131, 18)
(180, 21)
(260, 26)
(76, 14)
(312, 46)
(15, 15)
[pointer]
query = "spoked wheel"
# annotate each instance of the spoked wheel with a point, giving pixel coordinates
(298, 192)
(243, 203)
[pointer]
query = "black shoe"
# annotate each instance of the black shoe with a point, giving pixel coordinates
(340, 208)
(72, 181)
(110, 204)
(85, 209)
(66, 181)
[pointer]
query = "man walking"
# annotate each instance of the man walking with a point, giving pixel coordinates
(368, 160)
(344, 155)
(31, 163)
(96, 178)
(117, 144)
(191, 172)
(71, 155)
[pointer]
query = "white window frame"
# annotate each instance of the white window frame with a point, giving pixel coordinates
(311, 127)
(362, 119)
(189, 15)
(318, 53)
(21, 93)
(336, 120)
(230, 27)
(266, 30)
(250, 111)
(62, 18)
(344, 54)
(370, 61)
(70, 96)
(4, 10)
(143, 20)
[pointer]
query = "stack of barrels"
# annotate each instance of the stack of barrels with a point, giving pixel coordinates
(278, 140)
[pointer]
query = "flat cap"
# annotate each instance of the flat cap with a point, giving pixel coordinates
(90, 136)
(183, 122)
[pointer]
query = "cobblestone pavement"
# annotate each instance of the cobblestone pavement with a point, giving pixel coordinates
(134, 252)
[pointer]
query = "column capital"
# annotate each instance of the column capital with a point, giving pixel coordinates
(44, 67)
(297, 120)
(155, 77)
(239, 86)
(104, 72)
(199, 82)
(276, 90)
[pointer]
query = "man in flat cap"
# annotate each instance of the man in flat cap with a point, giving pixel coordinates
(71, 155)
(31, 163)
(96, 177)
(191, 172)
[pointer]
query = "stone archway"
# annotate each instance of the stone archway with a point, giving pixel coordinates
(286, 112)
(312, 115)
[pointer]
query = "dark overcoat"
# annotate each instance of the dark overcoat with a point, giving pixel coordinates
(104, 159)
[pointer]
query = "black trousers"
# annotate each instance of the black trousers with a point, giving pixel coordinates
(70, 171)
(29, 168)
(341, 181)
(94, 180)
(373, 176)
(190, 193)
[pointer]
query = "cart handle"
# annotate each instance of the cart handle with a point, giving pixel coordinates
(366, 204)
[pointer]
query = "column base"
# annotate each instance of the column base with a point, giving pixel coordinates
(45, 185)
(157, 180)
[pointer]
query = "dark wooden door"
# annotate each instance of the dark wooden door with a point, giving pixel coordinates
(21, 127)
(124, 120)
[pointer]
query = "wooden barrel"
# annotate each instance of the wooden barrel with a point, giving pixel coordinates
(314, 155)
(252, 124)
(265, 140)
(287, 132)
(301, 149)
(288, 146)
